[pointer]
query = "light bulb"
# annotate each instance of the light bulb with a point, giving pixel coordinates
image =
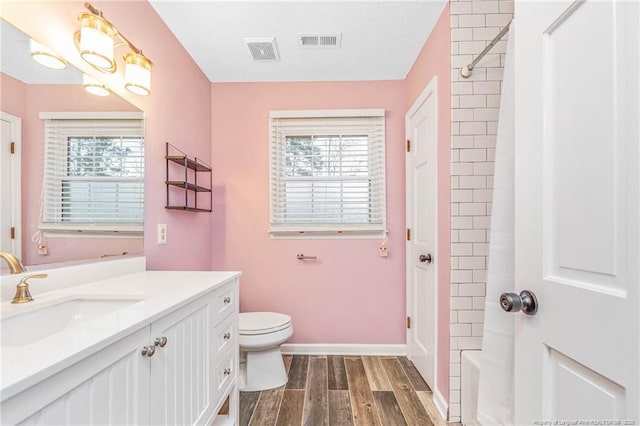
(45, 56)
(92, 86)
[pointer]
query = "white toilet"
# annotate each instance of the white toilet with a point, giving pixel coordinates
(260, 337)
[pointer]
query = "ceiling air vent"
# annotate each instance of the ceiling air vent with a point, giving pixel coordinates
(263, 48)
(329, 40)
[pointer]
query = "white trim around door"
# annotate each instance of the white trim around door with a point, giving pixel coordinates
(428, 99)
(15, 176)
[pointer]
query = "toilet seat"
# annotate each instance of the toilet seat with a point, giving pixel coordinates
(257, 323)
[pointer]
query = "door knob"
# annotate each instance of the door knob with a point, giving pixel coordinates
(425, 258)
(526, 302)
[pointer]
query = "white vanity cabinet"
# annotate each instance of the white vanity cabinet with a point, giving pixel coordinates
(186, 373)
(110, 386)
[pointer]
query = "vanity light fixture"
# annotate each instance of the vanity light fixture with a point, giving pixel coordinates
(137, 74)
(45, 56)
(94, 87)
(96, 43)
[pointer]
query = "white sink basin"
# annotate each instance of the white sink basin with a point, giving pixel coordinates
(21, 328)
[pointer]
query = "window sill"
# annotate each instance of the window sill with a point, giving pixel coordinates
(326, 234)
(52, 230)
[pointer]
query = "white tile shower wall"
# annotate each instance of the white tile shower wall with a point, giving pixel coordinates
(475, 106)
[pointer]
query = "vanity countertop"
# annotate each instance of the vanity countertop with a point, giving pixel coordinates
(153, 295)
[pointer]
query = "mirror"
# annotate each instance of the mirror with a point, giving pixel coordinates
(29, 90)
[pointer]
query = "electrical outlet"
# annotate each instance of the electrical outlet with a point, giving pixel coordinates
(162, 233)
(383, 251)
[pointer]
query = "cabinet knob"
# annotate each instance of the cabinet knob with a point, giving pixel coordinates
(148, 351)
(227, 371)
(226, 336)
(227, 300)
(160, 341)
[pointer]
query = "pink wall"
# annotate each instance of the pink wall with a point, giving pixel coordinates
(434, 60)
(55, 98)
(350, 295)
(13, 96)
(177, 111)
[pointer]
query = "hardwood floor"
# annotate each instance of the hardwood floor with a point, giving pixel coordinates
(343, 390)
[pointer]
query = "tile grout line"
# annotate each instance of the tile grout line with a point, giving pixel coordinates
(284, 388)
(306, 388)
(326, 389)
(254, 409)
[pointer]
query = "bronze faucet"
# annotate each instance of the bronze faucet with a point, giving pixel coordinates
(15, 266)
(23, 295)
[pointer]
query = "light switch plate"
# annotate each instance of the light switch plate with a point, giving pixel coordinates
(162, 233)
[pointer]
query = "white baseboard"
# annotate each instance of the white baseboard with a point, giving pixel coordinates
(342, 349)
(440, 403)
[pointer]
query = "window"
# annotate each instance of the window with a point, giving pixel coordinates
(94, 175)
(328, 173)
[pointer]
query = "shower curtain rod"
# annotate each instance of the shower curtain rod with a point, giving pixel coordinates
(465, 72)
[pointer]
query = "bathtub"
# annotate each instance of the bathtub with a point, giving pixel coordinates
(470, 376)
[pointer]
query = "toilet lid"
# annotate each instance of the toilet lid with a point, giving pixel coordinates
(262, 322)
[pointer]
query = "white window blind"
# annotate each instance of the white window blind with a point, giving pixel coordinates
(93, 176)
(328, 173)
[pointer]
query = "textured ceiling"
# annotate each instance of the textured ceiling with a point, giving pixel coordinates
(380, 39)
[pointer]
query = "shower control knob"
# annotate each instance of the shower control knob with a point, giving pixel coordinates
(425, 258)
(526, 302)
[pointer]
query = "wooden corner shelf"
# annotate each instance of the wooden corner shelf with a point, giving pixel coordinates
(188, 209)
(190, 172)
(188, 185)
(189, 163)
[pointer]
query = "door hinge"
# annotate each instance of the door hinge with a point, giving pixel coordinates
(408, 145)
(13, 233)
(408, 322)
(408, 234)
(13, 147)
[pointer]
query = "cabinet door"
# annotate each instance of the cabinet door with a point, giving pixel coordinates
(109, 387)
(181, 384)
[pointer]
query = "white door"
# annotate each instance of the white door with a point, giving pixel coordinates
(421, 183)
(577, 216)
(10, 185)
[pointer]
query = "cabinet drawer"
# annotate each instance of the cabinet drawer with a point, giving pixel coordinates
(225, 374)
(225, 336)
(226, 301)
